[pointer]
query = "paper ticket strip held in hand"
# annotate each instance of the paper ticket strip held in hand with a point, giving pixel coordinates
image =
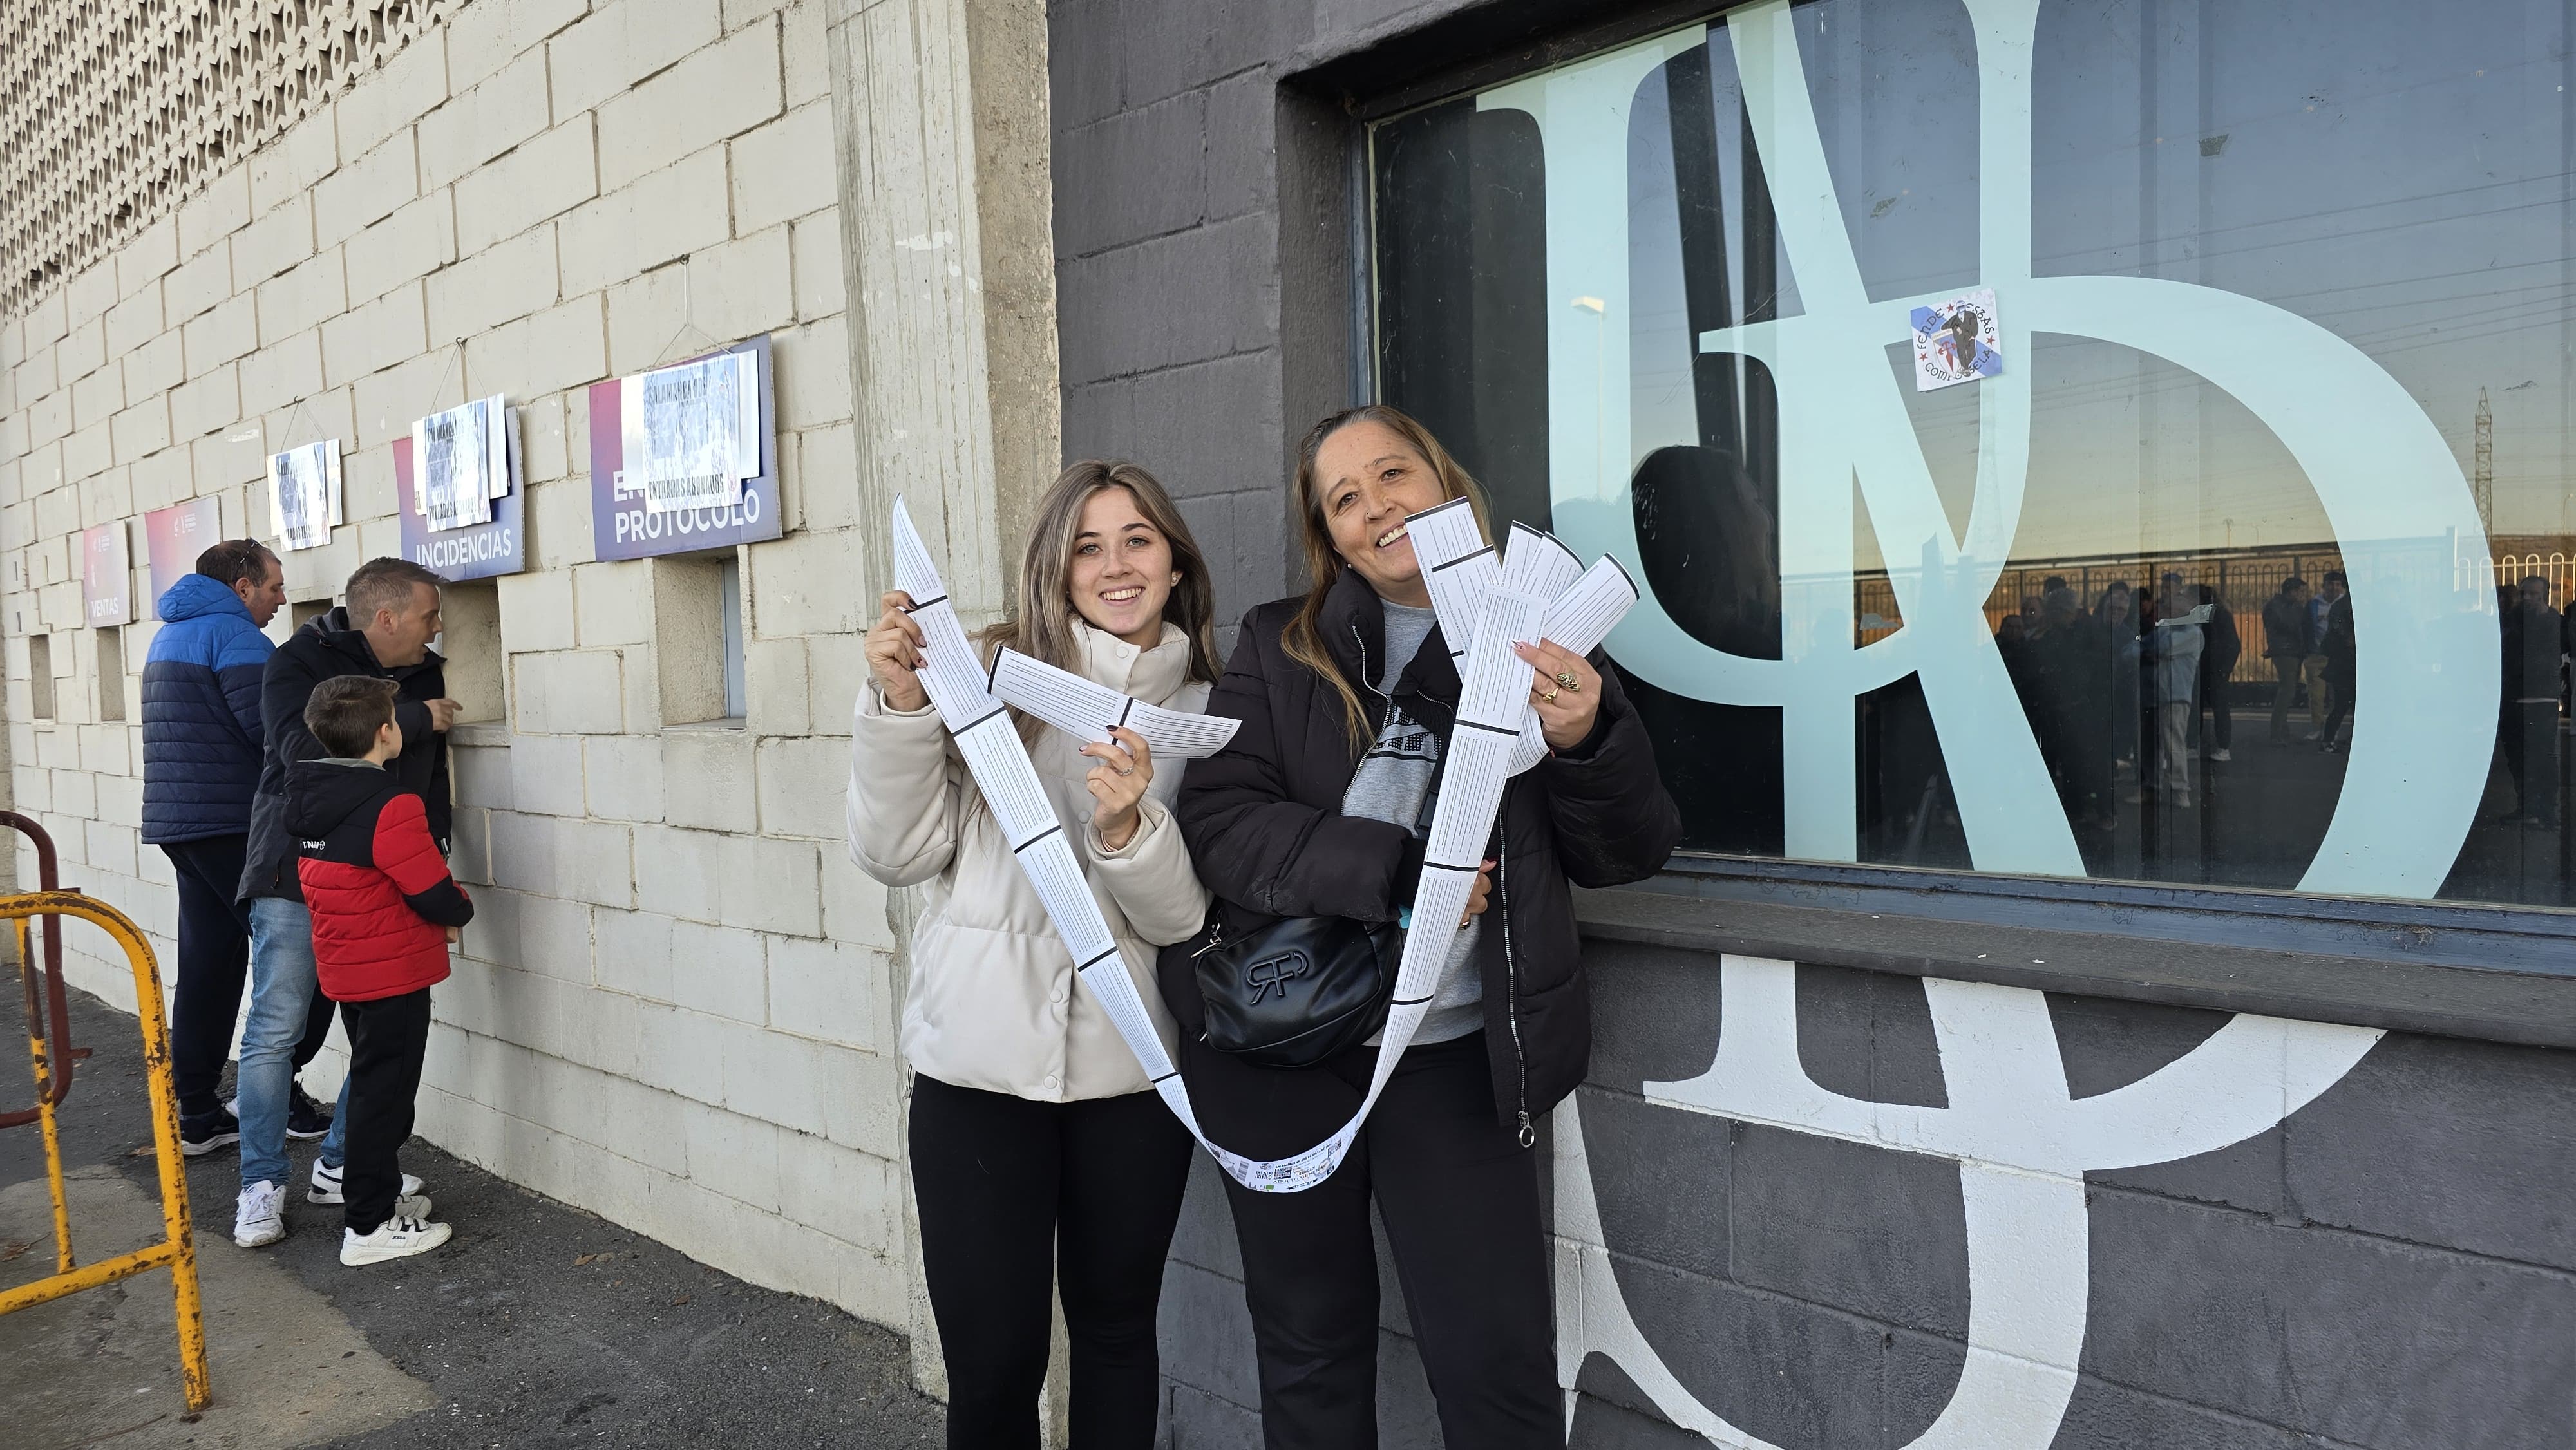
(1538, 590)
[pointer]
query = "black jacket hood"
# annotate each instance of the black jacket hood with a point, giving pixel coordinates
(322, 648)
(320, 794)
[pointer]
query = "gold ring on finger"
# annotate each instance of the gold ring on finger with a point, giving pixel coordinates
(1548, 699)
(1569, 680)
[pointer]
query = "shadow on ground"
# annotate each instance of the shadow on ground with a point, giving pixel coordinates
(538, 1325)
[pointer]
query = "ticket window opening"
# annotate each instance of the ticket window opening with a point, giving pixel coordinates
(699, 627)
(40, 675)
(111, 673)
(470, 642)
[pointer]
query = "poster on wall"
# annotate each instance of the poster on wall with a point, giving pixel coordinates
(624, 525)
(173, 538)
(107, 576)
(1957, 341)
(497, 545)
(466, 463)
(304, 494)
(692, 431)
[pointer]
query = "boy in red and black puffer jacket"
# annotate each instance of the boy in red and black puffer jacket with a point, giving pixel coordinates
(384, 910)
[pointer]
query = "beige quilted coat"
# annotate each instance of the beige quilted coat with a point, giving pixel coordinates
(992, 1000)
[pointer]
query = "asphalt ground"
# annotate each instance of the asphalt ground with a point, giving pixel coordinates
(537, 1325)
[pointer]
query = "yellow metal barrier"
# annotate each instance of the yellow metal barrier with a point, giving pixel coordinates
(178, 1249)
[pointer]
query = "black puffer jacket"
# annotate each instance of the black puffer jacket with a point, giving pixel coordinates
(1264, 824)
(325, 648)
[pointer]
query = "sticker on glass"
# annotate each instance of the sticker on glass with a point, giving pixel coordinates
(1957, 341)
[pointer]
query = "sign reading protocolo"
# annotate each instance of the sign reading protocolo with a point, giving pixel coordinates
(624, 525)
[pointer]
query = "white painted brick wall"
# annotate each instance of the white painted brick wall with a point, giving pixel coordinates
(677, 1004)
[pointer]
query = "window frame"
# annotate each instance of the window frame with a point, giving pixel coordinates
(2486, 971)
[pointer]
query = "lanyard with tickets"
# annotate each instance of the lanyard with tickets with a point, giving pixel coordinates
(1538, 591)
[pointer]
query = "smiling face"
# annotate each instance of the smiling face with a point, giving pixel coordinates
(1367, 480)
(1122, 569)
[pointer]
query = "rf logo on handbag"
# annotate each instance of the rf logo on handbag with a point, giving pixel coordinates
(1274, 974)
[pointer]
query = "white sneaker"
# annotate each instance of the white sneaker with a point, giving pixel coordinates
(2221, 755)
(325, 1187)
(259, 1216)
(398, 1237)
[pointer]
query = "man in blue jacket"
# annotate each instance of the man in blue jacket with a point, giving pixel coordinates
(202, 738)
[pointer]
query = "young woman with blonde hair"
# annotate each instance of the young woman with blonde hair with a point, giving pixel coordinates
(1031, 1125)
(1318, 808)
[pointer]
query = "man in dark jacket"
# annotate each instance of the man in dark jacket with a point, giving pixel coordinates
(2342, 649)
(2534, 634)
(2221, 647)
(201, 746)
(2291, 643)
(384, 630)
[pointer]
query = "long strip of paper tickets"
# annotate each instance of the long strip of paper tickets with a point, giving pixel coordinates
(1539, 590)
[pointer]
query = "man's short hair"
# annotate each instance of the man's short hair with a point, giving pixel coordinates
(2335, 576)
(385, 583)
(234, 560)
(2293, 584)
(345, 712)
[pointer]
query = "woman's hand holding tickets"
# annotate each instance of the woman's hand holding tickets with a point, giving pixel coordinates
(1118, 783)
(894, 653)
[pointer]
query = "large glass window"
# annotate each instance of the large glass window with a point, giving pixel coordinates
(2239, 552)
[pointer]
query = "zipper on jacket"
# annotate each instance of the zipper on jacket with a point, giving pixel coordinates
(1511, 974)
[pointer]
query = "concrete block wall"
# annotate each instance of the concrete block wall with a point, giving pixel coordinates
(677, 1004)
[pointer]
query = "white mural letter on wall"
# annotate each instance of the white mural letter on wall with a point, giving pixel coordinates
(2391, 490)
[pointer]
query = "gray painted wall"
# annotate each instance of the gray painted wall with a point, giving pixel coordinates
(2392, 1266)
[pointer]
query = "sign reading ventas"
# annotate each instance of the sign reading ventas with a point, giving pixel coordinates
(625, 525)
(107, 593)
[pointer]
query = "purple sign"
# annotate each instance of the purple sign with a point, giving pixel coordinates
(477, 551)
(173, 538)
(107, 576)
(621, 527)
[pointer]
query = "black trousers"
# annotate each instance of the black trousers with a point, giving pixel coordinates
(2530, 733)
(1002, 1182)
(387, 1040)
(214, 957)
(1459, 1197)
(2339, 690)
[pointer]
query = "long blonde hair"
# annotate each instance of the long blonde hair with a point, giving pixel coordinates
(1041, 626)
(1324, 563)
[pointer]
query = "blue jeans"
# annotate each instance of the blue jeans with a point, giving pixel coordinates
(282, 984)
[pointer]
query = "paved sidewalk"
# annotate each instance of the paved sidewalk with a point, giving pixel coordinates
(538, 1325)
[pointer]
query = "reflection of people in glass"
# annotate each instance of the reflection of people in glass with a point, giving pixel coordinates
(2173, 652)
(2291, 643)
(2528, 729)
(2118, 618)
(2221, 646)
(2339, 650)
(2068, 704)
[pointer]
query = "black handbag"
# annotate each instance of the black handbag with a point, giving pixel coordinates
(1296, 991)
